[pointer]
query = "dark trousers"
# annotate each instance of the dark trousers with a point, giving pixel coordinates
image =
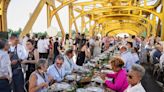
(43, 55)
(18, 81)
(4, 85)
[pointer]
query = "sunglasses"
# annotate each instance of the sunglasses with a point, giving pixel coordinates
(129, 76)
(59, 63)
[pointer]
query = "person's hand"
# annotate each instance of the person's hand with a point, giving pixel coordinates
(103, 76)
(14, 62)
(50, 78)
(9, 78)
(44, 85)
(24, 62)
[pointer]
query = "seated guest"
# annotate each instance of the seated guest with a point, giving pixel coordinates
(135, 55)
(157, 54)
(127, 57)
(120, 82)
(39, 80)
(162, 61)
(69, 65)
(134, 79)
(57, 70)
(130, 46)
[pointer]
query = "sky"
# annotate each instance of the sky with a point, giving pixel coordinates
(19, 13)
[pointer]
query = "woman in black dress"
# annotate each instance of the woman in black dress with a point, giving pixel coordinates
(33, 57)
(82, 53)
(56, 49)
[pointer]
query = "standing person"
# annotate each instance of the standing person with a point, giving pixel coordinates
(25, 39)
(106, 45)
(97, 48)
(143, 51)
(82, 54)
(5, 67)
(35, 38)
(56, 48)
(33, 57)
(151, 40)
(39, 80)
(17, 54)
(42, 48)
(92, 44)
(51, 50)
(134, 41)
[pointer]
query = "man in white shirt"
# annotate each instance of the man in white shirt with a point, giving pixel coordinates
(69, 65)
(134, 79)
(127, 57)
(25, 39)
(17, 54)
(57, 71)
(43, 47)
(5, 67)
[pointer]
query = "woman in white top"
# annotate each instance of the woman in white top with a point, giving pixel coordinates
(97, 48)
(39, 80)
(135, 75)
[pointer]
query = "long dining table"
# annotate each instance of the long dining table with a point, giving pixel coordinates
(87, 79)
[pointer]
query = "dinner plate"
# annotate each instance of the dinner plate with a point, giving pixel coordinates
(98, 79)
(60, 86)
(107, 71)
(70, 77)
(94, 89)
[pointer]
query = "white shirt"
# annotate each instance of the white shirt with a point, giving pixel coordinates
(134, 43)
(69, 65)
(5, 64)
(42, 46)
(21, 51)
(24, 41)
(135, 57)
(162, 61)
(128, 59)
(92, 42)
(56, 73)
(41, 80)
(136, 88)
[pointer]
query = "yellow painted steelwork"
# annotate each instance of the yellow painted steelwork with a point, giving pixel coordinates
(3, 15)
(104, 16)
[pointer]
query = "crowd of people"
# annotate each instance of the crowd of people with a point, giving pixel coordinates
(34, 63)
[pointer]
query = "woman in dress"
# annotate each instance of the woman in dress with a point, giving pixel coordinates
(82, 54)
(97, 48)
(33, 57)
(51, 49)
(56, 48)
(39, 80)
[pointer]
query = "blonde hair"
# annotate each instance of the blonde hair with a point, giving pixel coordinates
(117, 61)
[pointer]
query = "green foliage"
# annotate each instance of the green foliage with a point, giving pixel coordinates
(17, 32)
(41, 34)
